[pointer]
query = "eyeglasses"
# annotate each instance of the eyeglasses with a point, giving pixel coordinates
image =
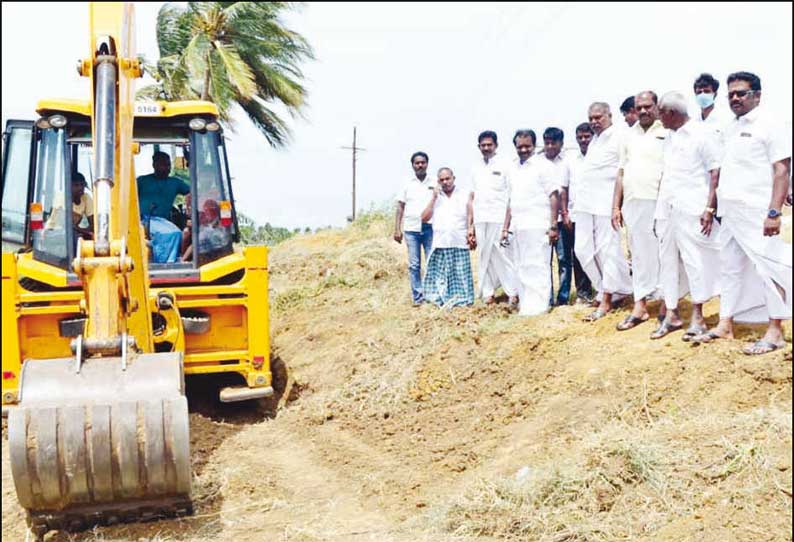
(739, 93)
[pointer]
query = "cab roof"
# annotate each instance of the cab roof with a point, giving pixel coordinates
(158, 109)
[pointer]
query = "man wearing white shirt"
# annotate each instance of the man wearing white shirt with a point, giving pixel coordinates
(754, 182)
(706, 88)
(636, 190)
(597, 245)
(490, 194)
(685, 209)
(411, 201)
(532, 212)
(449, 280)
(555, 171)
(584, 134)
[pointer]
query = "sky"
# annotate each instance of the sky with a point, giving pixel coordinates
(430, 77)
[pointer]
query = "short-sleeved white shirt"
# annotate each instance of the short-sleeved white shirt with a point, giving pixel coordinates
(530, 188)
(642, 159)
(716, 122)
(449, 219)
(490, 185)
(689, 154)
(752, 143)
(416, 195)
(557, 171)
(595, 183)
(575, 162)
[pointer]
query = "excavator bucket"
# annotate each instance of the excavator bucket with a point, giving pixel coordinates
(101, 443)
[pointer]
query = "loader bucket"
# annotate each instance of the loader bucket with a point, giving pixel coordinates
(100, 445)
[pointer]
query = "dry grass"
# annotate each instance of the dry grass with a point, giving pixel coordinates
(479, 426)
(626, 482)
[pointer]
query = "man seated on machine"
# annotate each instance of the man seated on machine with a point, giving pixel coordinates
(156, 194)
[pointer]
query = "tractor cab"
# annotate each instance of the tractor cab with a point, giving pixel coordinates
(187, 210)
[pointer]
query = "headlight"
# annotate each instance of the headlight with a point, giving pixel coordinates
(213, 126)
(57, 121)
(43, 124)
(197, 124)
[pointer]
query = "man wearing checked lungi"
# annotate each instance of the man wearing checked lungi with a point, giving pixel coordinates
(448, 281)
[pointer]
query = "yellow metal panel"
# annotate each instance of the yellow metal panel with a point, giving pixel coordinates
(187, 107)
(207, 357)
(50, 309)
(40, 338)
(222, 267)
(52, 297)
(212, 369)
(11, 358)
(258, 323)
(191, 292)
(43, 272)
(64, 105)
(227, 332)
(199, 303)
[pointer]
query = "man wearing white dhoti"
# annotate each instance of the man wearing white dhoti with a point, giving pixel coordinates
(685, 215)
(597, 245)
(754, 182)
(490, 194)
(532, 212)
(634, 202)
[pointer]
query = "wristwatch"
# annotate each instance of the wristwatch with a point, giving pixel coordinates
(773, 213)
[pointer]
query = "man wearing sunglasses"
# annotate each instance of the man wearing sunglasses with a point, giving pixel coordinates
(754, 182)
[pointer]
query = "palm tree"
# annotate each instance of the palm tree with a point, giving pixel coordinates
(231, 53)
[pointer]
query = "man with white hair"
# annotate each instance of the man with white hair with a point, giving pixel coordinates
(597, 245)
(756, 262)
(636, 190)
(685, 215)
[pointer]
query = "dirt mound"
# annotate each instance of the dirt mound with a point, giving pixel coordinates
(416, 424)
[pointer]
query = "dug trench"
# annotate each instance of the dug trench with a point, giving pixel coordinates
(398, 424)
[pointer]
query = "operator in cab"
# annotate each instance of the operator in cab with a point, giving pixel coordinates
(156, 194)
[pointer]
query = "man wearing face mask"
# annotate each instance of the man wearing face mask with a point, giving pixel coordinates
(705, 88)
(755, 263)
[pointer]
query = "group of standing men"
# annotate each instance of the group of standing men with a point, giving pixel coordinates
(701, 199)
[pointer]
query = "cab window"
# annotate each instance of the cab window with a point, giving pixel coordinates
(53, 237)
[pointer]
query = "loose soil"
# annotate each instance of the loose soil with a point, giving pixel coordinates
(395, 423)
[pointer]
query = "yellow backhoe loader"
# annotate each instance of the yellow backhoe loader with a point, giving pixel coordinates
(99, 328)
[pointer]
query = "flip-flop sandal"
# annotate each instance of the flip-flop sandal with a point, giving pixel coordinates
(630, 322)
(661, 318)
(766, 346)
(595, 315)
(665, 329)
(693, 331)
(707, 337)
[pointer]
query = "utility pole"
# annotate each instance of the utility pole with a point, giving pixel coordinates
(355, 149)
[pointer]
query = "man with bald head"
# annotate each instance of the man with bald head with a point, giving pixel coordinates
(634, 201)
(597, 245)
(448, 281)
(684, 216)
